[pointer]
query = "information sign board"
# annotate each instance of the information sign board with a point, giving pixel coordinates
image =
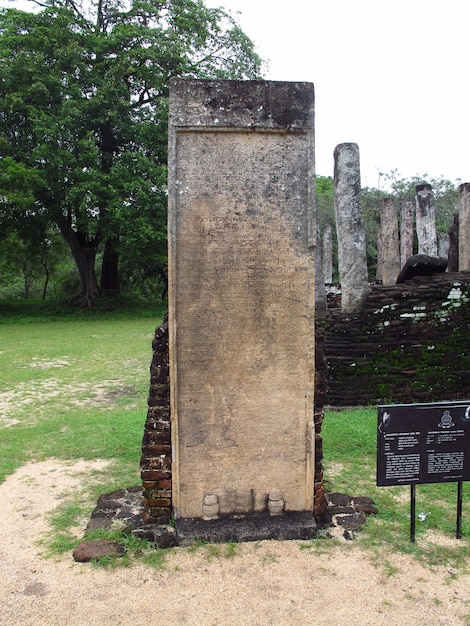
(423, 443)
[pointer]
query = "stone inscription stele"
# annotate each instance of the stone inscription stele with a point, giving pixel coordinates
(241, 294)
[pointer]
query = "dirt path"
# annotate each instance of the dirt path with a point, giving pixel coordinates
(269, 582)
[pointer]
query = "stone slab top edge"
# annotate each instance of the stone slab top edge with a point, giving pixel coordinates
(271, 105)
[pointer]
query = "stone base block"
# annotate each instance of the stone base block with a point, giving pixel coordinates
(290, 525)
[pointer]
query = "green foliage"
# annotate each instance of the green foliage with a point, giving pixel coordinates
(83, 119)
(33, 263)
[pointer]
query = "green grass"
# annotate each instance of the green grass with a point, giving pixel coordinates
(74, 388)
(74, 385)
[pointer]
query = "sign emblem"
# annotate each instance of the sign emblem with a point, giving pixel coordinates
(446, 420)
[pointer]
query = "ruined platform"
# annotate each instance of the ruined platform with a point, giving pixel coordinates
(125, 507)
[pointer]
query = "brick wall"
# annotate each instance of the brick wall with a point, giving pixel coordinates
(155, 463)
(408, 344)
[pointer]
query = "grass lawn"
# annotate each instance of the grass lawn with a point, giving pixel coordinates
(74, 386)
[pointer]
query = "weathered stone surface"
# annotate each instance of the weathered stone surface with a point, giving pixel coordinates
(426, 220)
(366, 506)
(453, 257)
(328, 255)
(422, 265)
(339, 499)
(96, 549)
(320, 293)
(389, 256)
(241, 270)
(406, 231)
(99, 523)
(464, 227)
(351, 522)
(352, 264)
(297, 525)
(362, 501)
(162, 536)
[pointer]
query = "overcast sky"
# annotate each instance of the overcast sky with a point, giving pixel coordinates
(392, 77)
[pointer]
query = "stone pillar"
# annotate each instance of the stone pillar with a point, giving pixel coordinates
(389, 236)
(453, 258)
(352, 262)
(406, 231)
(443, 246)
(241, 298)
(320, 293)
(328, 255)
(379, 268)
(464, 227)
(426, 220)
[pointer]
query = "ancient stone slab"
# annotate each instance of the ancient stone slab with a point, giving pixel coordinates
(96, 549)
(352, 264)
(241, 299)
(464, 227)
(390, 244)
(320, 291)
(406, 231)
(327, 255)
(296, 525)
(426, 220)
(422, 265)
(453, 256)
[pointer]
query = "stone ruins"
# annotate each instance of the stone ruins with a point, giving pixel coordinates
(352, 263)
(426, 220)
(389, 258)
(238, 438)
(242, 237)
(464, 227)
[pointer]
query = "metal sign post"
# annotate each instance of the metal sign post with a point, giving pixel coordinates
(424, 443)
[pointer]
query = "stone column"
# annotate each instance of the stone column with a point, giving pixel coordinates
(453, 258)
(352, 263)
(443, 246)
(379, 268)
(328, 255)
(406, 231)
(389, 231)
(464, 227)
(426, 220)
(320, 293)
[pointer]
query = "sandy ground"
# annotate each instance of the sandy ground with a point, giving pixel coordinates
(265, 583)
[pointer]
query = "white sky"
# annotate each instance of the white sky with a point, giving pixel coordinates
(392, 77)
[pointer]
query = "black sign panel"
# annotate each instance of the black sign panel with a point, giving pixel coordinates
(423, 443)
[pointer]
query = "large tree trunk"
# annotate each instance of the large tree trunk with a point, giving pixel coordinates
(109, 282)
(84, 254)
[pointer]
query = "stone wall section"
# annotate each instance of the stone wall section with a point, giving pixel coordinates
(407, 344)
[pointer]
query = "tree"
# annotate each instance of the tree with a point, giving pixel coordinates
(83, 117)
